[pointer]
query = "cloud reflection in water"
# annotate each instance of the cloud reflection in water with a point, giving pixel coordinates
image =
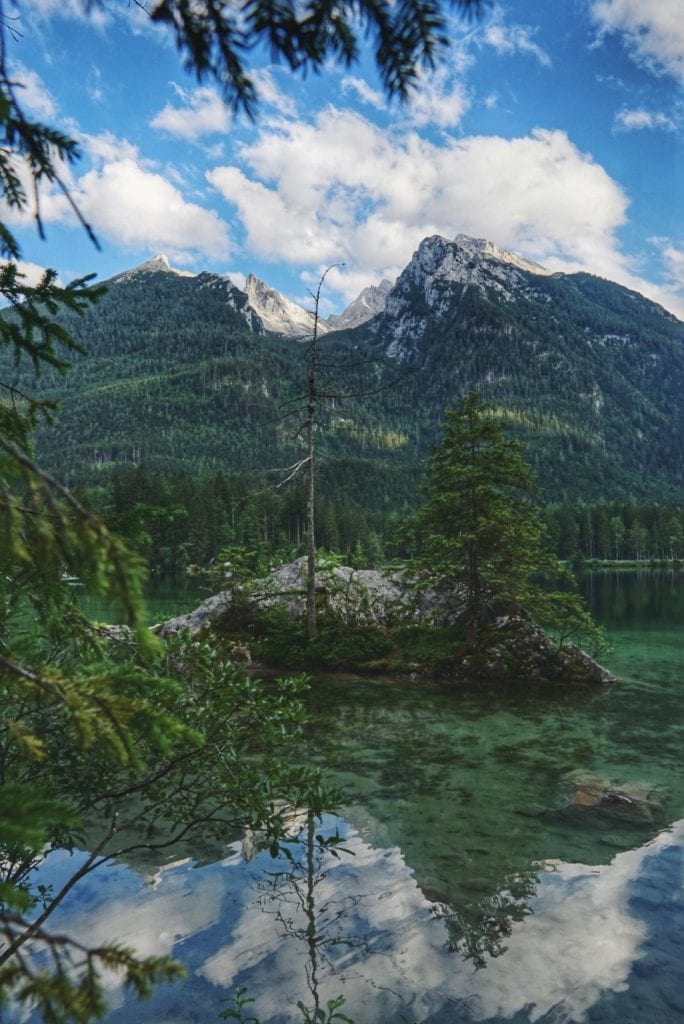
(378, 941)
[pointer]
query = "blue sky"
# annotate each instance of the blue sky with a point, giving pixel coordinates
(552, 129)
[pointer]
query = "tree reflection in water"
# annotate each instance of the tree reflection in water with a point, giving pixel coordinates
(479, 926)
(316, 916)
(291, 897)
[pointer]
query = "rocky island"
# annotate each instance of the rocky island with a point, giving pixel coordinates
(385, 605)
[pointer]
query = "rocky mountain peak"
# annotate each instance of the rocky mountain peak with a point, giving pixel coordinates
(156, 264)
(439, 270)
(279, 314)
(366, 305)
(480, 248)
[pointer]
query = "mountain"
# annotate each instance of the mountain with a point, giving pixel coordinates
(590, 374)
(366, 305)
(157, 264)
(185, 374)
(282, 316)
(278, 314)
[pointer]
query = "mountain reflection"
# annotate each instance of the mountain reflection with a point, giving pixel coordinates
(380, 945)
(360, 926)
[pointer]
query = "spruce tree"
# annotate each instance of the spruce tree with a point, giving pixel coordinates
(479, 539)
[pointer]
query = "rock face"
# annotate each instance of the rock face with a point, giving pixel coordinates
(282, 316)
(517, 650)
(278, 314)
(424, 291)
(366, 305)
(199, 618)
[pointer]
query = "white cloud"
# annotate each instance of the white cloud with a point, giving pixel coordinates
(32, 94)
(302, 200)
(271, 94)
(107, 147)
(673, 259)
(364, 92)
(238, 278)
(508, 39)
(94, 85)
(128, 201)
(438, 100)
(139, 208)
(638, 118)
(32, 273)
(203, 113)
(653, 31)
(69, 9)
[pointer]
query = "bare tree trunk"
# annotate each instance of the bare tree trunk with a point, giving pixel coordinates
(310, 509)
(311, 396)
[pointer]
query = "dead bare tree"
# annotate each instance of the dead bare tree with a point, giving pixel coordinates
(312, 398)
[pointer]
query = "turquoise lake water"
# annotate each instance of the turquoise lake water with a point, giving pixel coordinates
(477, 886)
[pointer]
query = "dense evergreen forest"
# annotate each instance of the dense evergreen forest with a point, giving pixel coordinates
(179, 520)
(181, 377)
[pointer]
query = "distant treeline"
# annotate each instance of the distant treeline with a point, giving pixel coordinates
(617, 530)
(176, 521)
(179, 520)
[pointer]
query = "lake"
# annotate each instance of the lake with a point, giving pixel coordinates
(480, 883)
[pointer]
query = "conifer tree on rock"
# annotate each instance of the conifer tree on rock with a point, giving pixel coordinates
(480, 536)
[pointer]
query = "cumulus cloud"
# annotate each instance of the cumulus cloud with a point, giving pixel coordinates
(653, 31)
(136, 207)
(32, 273)
(638, 118)
(303, 201)
(202, 112)
(127, 200)
(509, 39)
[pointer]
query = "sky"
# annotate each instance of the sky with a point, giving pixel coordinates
(552, 129)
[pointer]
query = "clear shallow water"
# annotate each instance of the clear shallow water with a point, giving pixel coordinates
(165, 597)
(472, 891)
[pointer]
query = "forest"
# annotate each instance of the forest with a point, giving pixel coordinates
(177, 521)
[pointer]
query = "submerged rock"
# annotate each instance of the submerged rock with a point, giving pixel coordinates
(635, 803)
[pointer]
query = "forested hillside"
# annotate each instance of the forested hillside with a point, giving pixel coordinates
(181, 377)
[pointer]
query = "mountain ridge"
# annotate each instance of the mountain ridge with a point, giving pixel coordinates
(184, 376)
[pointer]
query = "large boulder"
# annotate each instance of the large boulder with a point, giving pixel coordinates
(520, 649)
(354, 596)
(199, 618)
